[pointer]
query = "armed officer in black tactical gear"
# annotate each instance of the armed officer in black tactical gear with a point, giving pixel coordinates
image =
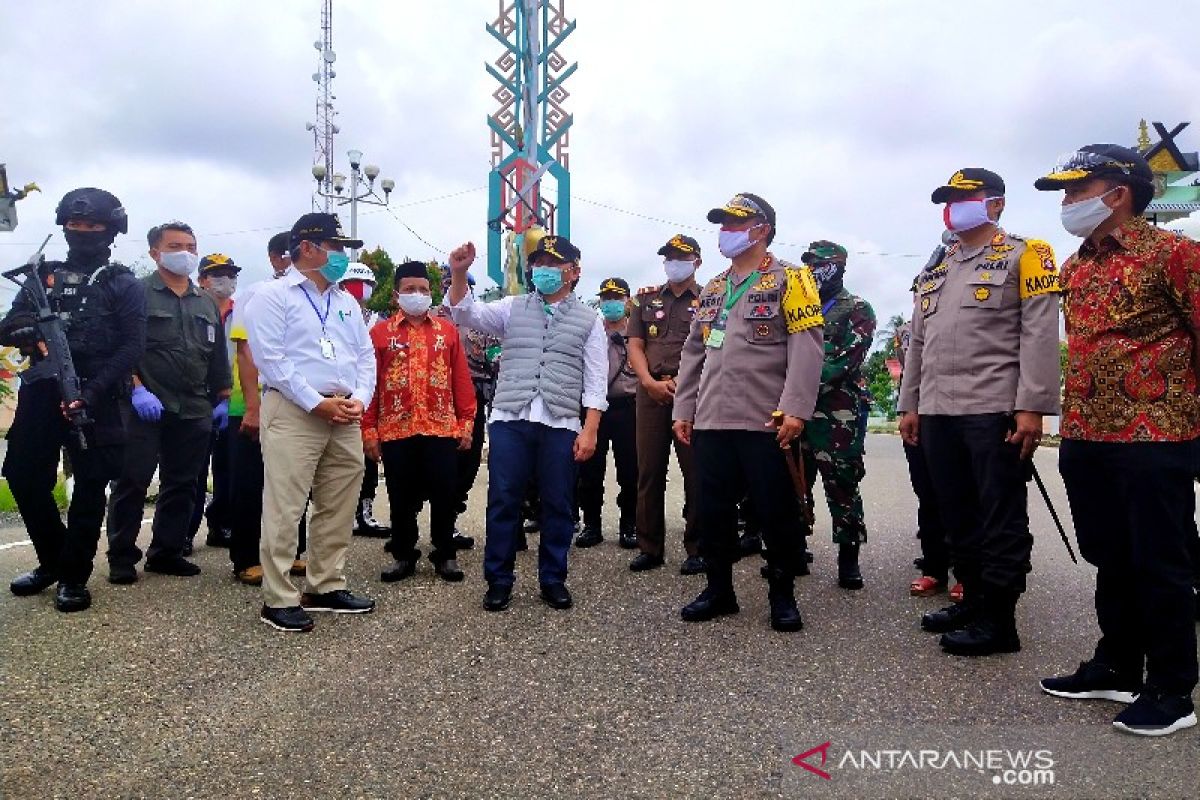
(103, 309)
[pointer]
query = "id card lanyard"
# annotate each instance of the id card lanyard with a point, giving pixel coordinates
(716, 336)
(325, 343)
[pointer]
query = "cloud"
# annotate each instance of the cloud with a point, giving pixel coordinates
(844, 116)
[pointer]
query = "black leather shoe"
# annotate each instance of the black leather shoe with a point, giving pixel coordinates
(32, 582)
(627, 538)
(693, 565)
(984, 637)
(218, 537)
(556, 595)
(398, 571)
(449, 570)
(530, 526)
(72, 597)
(589, 536)
(177, 566)
(365, 523)
(951, 618)
(122, 576)
(710, 605)
(522, 542)
(497, 597)
(849, 574)
(339, 601)
(293, 619)
(462, 541)
(644, 561)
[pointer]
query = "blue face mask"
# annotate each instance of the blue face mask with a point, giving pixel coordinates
(547, 280)
(612, 310)
(335, 267)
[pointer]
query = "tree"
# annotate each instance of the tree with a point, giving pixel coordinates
(878, 376)
(385, 271)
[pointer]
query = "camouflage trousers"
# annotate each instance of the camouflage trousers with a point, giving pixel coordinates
(841, 473)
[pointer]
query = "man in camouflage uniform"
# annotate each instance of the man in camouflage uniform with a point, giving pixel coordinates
(834, 439)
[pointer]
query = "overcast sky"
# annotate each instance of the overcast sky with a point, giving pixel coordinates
(843, 115)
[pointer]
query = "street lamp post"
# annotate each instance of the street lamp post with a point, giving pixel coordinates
(361, 189)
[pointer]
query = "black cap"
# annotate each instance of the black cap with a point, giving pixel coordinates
(966, 181)
(278, 245)
(1098, 161)
(320, 227)
(559, 247)
(217, 262)
(743, 206)
(617, 285)
(680, 245)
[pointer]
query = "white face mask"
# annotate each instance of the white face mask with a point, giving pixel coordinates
(678, 271)
(222, 287)
(181, 262)
(1083, 217)
(414, 304)
(733, 243)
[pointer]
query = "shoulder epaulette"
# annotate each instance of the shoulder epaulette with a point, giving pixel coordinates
(650, 290)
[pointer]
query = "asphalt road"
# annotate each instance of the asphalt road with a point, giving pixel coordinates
(172, 688)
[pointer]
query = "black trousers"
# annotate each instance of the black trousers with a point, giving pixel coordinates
(979, 482)
(419, 468)
(35, 441)
(618, 430)
(930, 531)
(469, 460)
(245, 506)
(1133, 507)
(370, 481)
(731, 465)
(220, 460)
(177, 447)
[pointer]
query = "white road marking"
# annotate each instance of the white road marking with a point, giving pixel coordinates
(26, 542)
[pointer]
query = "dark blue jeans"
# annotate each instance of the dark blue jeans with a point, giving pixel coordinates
(518, 451)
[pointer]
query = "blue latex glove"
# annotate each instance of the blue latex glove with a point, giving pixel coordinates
(221, 415)
(148, 407)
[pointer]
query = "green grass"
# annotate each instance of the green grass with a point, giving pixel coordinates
(7, 503)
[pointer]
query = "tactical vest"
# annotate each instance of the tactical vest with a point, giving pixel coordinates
(543, 354)
(837, 326)
(84, 303)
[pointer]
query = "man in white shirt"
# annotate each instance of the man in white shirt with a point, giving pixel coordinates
(317, 366)
(555, 368)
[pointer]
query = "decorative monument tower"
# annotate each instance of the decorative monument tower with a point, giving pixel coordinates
(1173, 198)
(530, 135)
(322, 127)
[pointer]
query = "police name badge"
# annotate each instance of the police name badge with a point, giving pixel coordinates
(326, 347)
(212, 334)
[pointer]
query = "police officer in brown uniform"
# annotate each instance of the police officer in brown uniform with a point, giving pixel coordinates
(658, 327)
(755, 350)
(982, 370)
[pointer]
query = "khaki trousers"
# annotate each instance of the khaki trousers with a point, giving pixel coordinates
(303, 453)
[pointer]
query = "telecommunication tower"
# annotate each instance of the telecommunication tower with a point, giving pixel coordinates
(322, 128)
(529, 134)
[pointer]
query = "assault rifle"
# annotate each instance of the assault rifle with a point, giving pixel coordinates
(50, 331)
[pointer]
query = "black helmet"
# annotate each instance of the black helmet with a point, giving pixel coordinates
(93, 205)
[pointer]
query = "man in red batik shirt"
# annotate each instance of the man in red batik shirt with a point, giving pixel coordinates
(1130, 427)
(421, 416)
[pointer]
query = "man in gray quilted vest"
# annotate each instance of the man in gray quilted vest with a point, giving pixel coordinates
(555, 368)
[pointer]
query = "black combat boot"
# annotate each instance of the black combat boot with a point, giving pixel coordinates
(365, 523)
(993, 631)
(785, 616)
(716, 599)
(849, 575)
(627, 539)
(750, 544)
(952, 617)
(589, 535)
